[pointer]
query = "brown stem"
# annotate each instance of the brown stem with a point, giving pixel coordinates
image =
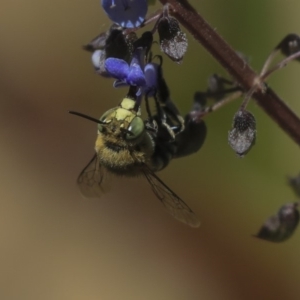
(235, 66)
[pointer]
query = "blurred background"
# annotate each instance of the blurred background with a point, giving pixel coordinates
(57, 245)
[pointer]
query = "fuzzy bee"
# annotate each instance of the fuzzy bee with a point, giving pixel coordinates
(130, 146)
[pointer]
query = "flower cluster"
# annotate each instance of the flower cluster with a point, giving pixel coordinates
(121, 54)
(281, 226)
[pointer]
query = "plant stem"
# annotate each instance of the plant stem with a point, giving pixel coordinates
(235, 66)
(264, 75)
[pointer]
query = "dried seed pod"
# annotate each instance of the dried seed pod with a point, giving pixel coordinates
(200, 101)
(242, 136)
(144, 42)
(99, 42)
(217, 86)
(294, 182)
(173, 42)
(119, 45)
(281, 226)
(112, 43)
(290, 44)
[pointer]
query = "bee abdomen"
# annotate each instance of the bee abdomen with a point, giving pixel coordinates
(161, 158)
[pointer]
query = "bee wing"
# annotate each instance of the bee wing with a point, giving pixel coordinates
(93, 179)
(173, 204)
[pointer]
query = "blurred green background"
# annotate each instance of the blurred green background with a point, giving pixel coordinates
(56, 245)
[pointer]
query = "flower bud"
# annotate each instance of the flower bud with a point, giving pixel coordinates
(173, 42)
(290, 44)
(281, 226)
(242, 136)
(294, 182)
(216, 86)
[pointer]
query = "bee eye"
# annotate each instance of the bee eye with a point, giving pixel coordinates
(135, 129)
(100, 128)
(105, 118)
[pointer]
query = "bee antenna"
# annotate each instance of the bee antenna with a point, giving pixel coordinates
(85, 116)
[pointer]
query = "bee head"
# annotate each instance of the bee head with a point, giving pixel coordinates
(119, 122)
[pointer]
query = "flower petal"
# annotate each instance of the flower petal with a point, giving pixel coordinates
(98, 60)
(119, 83)
(136, 76)
(117, 68)
(151, 70)
(127, 13)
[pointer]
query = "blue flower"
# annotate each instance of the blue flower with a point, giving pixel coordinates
(132, 74)
(127, 13)
(117, 68)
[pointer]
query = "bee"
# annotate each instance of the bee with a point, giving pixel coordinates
(130, 146)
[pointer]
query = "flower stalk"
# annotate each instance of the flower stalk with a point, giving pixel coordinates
(268, 100)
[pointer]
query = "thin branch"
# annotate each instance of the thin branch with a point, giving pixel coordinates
(235, 66)
(264, 75)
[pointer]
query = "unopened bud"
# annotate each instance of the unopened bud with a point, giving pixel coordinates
(173, 42)
(290, 44)
(294, 182)
(242, 136)
(281, 226)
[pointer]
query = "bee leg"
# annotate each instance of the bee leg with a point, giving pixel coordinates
(148, 107)
(172, 111)
(170, 108)
(151, 125)
(162, 119)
